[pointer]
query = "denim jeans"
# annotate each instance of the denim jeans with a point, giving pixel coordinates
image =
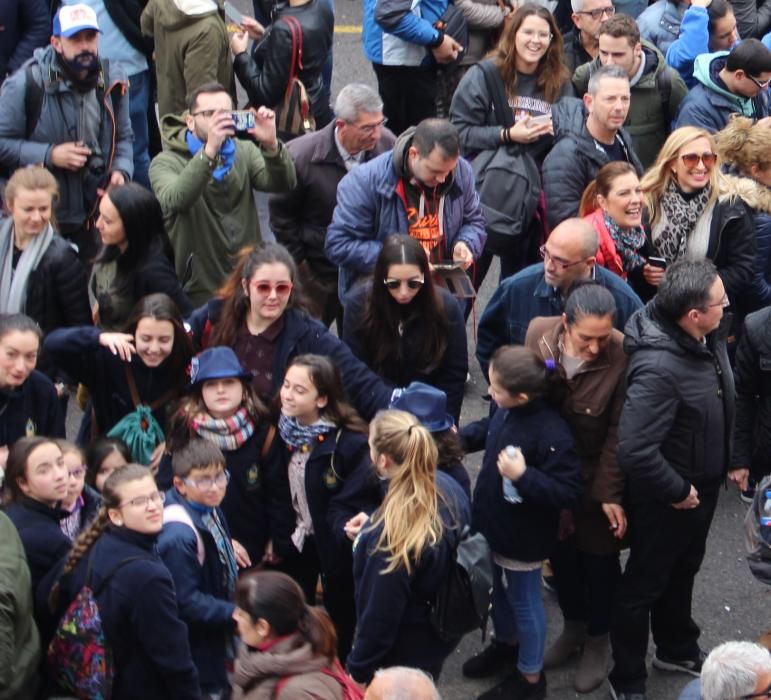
(139, 96)
(519, 616)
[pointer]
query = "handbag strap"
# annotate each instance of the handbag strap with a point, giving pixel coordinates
(136, 400)
(296, 63)
(497, 91)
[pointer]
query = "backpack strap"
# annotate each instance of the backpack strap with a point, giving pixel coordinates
(33, 100)
(268, 442)
(497, 91)
(176, 513)
(664, 85)
(135, 398)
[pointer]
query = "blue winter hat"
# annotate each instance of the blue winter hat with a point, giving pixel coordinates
(427, 403)
(216, 363)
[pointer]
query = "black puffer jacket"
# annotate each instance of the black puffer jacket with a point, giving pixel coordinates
(574, 161)
(265, 74)
(675, 428)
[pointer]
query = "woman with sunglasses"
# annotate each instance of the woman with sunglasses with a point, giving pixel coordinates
(404, 327)
(117, 557)
(529, 66)
(258, 312)
(691, 217)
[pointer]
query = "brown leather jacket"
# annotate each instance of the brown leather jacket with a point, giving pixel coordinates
(592, 409)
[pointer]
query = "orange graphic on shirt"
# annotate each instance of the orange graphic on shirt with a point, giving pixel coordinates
(424, 228)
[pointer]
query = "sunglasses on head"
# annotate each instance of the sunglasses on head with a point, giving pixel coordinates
(691, 160)
(395, 284)
(265, 288)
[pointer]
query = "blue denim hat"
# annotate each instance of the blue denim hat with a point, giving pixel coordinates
(216, 363)
(427, 403)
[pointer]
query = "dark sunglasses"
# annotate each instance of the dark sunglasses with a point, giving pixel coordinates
(691, 160)
(395, 284)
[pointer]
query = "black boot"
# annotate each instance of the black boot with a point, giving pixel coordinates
(494, 658)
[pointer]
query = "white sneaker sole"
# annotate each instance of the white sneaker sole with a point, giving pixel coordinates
(677, 668)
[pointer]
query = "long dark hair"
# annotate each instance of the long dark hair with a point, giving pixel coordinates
(235, 300)
(326, 378)
(98, 451)
(383, 315)
(279, 600)
(161, 307)
(552, 71)
(142, 218)
(16, 465)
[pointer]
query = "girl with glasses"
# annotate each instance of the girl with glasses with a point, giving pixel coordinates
(224, 409)
(406, 328)
(145, 365)
(693, 216)
(82, 501)
(117, 557)
(260, 314)
(320, 479)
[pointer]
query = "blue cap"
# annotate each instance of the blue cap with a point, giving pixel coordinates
(427, 403)
(71, 19)
(216, 363)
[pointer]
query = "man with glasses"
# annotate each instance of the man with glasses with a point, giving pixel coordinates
(204, 180)
(733, 671)
(729, 83)
(581, 43)
(299, 218)
(540, 289)
(196, 547)
(674, 439)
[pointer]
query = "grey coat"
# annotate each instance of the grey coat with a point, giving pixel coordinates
(58, 123)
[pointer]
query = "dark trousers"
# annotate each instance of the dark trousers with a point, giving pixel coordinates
(408, 93)
(586, 585)
(667, 548)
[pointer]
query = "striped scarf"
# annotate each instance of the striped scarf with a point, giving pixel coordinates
(227, 433)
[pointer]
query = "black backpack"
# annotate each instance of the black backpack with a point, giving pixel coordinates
(463, 601)
(507, 177)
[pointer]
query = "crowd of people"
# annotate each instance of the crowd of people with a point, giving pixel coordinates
(263, 315)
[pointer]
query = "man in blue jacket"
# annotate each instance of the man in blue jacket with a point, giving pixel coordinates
(729, 83)
(422, 188)
(405, 46)
(539, 290)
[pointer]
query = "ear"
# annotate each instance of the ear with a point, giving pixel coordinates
(412, 152)
(56, 42)
(602, 202)
(115, 517)
(179, 484)
(21, 482)
(638, 49)
(522, 398)
(564, 318)
(263, 628)
(322, 401)
(591, 260)
(588, 100)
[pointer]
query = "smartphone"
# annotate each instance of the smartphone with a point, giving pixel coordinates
(654, 261)
(243, 119)
(234, 18)
(540, 119)
(447, 265)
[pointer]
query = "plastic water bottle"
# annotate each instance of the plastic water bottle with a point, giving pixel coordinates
(510, 491)
(765, 515)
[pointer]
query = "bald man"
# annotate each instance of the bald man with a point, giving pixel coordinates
(401, 683)
(539, 290)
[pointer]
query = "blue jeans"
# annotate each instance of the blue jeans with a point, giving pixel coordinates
(139, 96)
(519, 616)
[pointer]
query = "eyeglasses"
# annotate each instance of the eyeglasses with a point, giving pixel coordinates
(265, 288)
(530, 33)
(762, 694)
(78, 472)
(691, 160)
(725, 301)
(564, 264)
(143, 501)
(205, 113)
(206, 482)
(411, 284)
(369, 129)
(762, 85)
(599, 12)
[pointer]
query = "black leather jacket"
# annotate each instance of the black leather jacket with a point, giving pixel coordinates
(265, 74)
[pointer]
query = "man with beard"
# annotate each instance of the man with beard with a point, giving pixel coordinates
(67, 109)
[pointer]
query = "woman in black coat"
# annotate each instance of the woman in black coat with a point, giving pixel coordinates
(259, 314)
(406, 328)
(134, 591)
(265, 74)
(136, 258)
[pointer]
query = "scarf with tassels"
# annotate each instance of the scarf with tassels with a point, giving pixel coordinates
(227, 433)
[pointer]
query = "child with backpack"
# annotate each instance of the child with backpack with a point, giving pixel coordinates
(223, 408)
(118, 597)
(321, 476)
(529, 472)
(195, 545)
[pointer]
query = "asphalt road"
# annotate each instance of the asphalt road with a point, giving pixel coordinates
(728, 602)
